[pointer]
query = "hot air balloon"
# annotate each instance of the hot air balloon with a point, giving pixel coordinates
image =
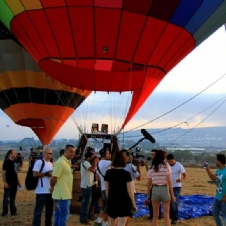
(28, 96)
(113, 46)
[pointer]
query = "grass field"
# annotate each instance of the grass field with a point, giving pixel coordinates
(197, 183)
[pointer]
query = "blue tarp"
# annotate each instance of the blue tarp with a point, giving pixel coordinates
(190, 206)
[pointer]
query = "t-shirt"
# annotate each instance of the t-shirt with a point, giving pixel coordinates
(87, 177)
(45, 181)
(221, 183)
(63, 187)
(159, 177)
(103, 166)
(11, 174)
(177, 170)
(133, 172)
(117, 179)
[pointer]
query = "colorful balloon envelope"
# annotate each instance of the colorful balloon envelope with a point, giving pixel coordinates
(112, 45)
(29, 97)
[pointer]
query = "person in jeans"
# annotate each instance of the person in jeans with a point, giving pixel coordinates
(61, 185)
(43, 195)
(220, 198)
(178, 175)
(11, 183)
(88, 168)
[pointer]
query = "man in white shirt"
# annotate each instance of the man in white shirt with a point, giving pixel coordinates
(178, 175)
(103, 165)
(43, 195)
(88, 168)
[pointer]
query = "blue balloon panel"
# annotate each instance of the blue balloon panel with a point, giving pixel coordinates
(190, 206)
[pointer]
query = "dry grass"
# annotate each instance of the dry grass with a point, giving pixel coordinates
(196, 184)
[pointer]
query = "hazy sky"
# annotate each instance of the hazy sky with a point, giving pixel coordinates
(198, 70)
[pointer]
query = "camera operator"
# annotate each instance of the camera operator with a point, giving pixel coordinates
(19, 162)
(133, 170)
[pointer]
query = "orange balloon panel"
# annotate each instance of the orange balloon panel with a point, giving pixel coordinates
(29, 97)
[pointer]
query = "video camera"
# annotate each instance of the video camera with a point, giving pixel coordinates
(138, 158)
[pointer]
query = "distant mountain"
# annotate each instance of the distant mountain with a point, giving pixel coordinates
(199, 137)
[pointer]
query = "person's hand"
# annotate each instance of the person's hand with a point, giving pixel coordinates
(147, 202)
(138, 164)
(51, 190)
(135, 207)
(173, 198)
(224, 198)
(6, 185)
(178, 180)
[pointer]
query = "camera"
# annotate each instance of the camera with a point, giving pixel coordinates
(136, 159)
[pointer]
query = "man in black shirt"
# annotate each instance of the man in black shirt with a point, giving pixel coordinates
(11, 183)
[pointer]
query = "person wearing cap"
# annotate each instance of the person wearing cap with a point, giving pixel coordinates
(103, 165)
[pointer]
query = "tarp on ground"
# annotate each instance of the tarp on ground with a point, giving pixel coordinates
(190, 206)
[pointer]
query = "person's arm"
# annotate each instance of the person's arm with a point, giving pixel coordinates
(93, 167)
(211, 176)
(57, 171)
(131, 193)
(169, 182)
(106, 184)
(53, 181)
(139, 171)
(37, 168)
(185, 176)
(149, 185)
(146, 165)
(37, 174)
(97, 177)
(4, 179)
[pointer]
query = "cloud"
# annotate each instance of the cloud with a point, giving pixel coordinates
(100, 110)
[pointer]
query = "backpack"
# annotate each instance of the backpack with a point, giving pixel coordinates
(31, 182)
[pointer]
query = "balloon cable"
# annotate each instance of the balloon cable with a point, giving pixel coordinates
(193, 97)
(168, 128)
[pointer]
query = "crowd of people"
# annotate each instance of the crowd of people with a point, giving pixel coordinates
(114, 176)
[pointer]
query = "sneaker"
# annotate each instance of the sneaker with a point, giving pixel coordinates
(86, 223)
(174, 222)
(92, 217)
(4, 214)
(97, 224)
(149, 218)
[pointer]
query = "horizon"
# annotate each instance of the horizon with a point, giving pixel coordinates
(60, 138)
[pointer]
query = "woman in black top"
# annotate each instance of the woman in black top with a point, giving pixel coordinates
(119, 191)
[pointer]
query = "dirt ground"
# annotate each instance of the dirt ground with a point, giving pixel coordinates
(197, 183)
